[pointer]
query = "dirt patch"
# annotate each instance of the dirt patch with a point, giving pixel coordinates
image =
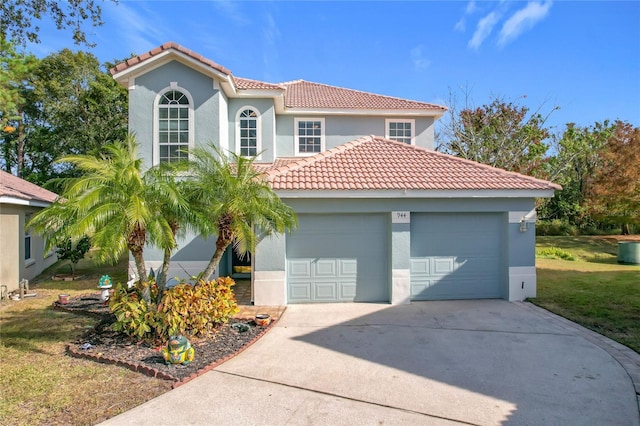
(105, 345)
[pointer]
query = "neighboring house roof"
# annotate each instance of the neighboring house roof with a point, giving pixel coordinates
(375, 163)
(305, 94)
(291, 97)
(14, 190)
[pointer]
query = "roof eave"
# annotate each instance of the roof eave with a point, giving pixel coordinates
(413, 193)
(163, 58)
(23, 202)
(435, 113)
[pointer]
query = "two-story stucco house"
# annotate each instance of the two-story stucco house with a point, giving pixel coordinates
(382, 218)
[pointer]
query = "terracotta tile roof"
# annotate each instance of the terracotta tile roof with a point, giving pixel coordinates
(158, 50)
(374, 163)
(245, 83)
(14, 187)
(278, 162)
(305, 94)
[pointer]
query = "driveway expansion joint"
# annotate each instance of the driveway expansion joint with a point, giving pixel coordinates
(316, 391)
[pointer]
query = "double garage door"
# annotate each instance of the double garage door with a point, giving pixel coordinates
(346, 258)
(338, 258)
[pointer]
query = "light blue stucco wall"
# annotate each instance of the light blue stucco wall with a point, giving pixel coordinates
(345, 128)
(267, 113)
(206, 101)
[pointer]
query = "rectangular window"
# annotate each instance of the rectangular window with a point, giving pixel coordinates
(27, 238)
(400, 130)
(309, 136)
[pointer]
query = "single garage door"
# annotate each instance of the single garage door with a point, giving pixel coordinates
(338, 258)
(456, 255)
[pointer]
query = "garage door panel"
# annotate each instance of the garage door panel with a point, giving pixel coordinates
(325, 268)
(325, 290)
(300, 268)
(456, 256)
(300, 291)
(349, 250)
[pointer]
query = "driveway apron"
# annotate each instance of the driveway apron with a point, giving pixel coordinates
(486, 362)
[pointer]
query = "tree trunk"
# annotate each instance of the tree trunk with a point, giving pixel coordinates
(20, 148)
(161, 278)
(221, 246)
(142, 274)
(625, 229)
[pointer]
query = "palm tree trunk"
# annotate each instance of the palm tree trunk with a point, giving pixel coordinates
(221, 245)
(161, 278)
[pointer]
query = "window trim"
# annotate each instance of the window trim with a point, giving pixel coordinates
(258, 130)
(411, 121)
(156, 118)
(296, 136)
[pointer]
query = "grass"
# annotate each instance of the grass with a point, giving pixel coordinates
(594, 290)
(39, 384)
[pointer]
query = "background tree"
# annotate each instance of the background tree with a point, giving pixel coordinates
(16, 72)
(233, 201)
(576, 155)
(74, 253)
(501, 133)
(614, 189)
(19, 19)
(71, 106)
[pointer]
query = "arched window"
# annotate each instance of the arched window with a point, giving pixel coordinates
(173, 126)
(249, 133)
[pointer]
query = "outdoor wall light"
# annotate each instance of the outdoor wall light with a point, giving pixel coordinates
(523, 224)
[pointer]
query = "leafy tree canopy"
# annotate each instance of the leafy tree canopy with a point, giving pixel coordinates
(501, 133)
(20, 19)
(614, 189)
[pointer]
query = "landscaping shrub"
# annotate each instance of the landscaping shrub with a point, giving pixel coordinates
(555, 253)
(191, 310)
(555, 227)
(198, 309)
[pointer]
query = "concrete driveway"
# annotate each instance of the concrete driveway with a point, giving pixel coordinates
(454, 362)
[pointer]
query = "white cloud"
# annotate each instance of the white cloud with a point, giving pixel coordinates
(523, 20)
(471, 7)
(231, 10)
(461, 25)
(483, 30)
(140, 29)
(271, 34)
(418, 59)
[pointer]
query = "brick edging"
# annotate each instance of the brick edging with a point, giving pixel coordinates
(158, 374)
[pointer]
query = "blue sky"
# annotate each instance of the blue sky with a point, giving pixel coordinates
(583, 57)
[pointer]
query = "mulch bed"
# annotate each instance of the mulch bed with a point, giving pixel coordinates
(104, 345)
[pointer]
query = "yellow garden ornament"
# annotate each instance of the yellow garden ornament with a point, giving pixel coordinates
(178, 351)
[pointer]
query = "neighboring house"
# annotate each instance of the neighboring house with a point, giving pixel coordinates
(381, 218)
(23, 255)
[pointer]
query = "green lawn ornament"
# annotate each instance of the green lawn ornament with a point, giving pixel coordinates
(178, 351)
(105, 285)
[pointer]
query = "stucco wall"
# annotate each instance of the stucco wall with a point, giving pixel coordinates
(13, 266)
(342, 129)
(206, 108)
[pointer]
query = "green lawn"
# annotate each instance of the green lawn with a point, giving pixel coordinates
(39, 384)
(593, 290)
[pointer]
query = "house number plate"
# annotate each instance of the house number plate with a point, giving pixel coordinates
(400, 217)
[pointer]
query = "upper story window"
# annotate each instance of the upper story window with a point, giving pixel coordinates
(248, 139)
(401, 130)
(27, 238)
(173, 126)
(309, 136)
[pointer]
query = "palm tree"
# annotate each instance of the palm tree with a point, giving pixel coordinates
(231, 200)
(116, 203)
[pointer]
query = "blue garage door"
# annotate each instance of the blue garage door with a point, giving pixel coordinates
(338, 258)
(456, 255)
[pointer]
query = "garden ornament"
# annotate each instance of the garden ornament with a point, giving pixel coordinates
(178, 351)
(104, 284)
